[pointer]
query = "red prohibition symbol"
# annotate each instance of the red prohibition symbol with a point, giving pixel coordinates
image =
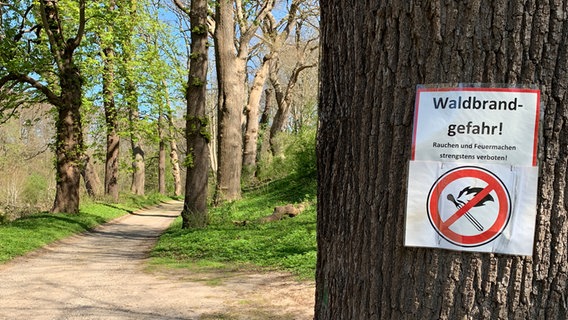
(469, 206)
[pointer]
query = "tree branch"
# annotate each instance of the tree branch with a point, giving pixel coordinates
(81, 30)
(182, 7)
(53, 43)
(22, 78)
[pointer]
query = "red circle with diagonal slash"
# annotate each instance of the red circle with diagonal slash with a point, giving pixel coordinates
(494, 184)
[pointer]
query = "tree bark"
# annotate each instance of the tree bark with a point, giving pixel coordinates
(374, 55)
(231, 75)
(194, 214)
(265, 118)
(69, 142)
(252, 123)
(138, 183)
(230, 105)
(69, 132)
(89, 173)
(137, 186)
(111, 118)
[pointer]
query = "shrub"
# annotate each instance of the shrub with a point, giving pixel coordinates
(34, 190)
(299, 156)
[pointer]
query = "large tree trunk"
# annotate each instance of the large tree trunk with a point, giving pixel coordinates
(69, 132)
(69, 142)
(374, 54)
(230, 76)
(194, 214)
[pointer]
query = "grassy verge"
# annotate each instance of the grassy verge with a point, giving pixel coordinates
(289, 244)
(35, 231)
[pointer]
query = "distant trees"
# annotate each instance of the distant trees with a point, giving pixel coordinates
(233, 50)
(113, 70)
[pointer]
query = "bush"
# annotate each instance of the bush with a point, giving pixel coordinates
(35, 188)
(303, 153)
(299, 156)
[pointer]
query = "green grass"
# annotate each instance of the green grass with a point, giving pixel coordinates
(35, 231)
(289, 244)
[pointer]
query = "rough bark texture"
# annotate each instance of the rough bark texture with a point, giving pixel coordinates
(69, 132)
(69, 143)
(232, 56)
(374, 54)
(231, 104)
(194, 212)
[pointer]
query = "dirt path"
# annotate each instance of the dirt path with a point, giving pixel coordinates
(100, 275)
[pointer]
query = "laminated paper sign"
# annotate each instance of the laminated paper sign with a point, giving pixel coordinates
(473, 172)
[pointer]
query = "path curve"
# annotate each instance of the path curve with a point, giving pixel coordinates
(99, 275)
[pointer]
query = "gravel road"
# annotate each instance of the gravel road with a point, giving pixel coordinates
(100, 275)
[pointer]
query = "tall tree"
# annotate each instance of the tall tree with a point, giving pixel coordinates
(111, 112)
(64, 35)
(194, 212)
(274, 40)
(374, 54)
(171, 131)
(138, 183)
(231, 57)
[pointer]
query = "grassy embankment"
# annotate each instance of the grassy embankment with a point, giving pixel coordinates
(35, 231)
(289, 244)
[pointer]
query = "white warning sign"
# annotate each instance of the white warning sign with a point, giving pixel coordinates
(473, 172)
(481, 125)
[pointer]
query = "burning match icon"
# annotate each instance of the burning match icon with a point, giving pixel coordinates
(463, 197)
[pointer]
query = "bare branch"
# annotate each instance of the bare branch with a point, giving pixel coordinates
(182, 7)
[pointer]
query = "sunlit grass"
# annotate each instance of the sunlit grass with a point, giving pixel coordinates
(289, 244)
(35, 231)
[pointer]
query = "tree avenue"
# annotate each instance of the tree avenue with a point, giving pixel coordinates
(374, 55)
